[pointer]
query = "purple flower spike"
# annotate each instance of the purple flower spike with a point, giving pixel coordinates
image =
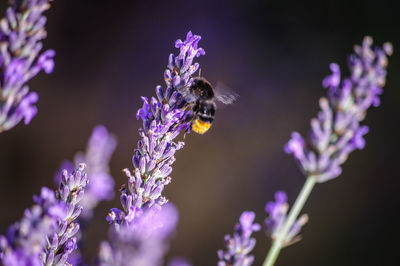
(277, 214)
(98, 153)
(240, 244)
(99, 150)
(336, 131)
(45, 235)
(163, 120)
(21, 35)
(26, 240)
(63, 240)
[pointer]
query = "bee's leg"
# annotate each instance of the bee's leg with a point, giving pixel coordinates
(187, 107)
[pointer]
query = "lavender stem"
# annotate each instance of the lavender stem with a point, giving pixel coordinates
(294, 212)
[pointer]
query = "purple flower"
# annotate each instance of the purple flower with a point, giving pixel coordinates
(163, 119)
(277, 214)
(179, 261)
(98, 153)
(134, 236)
(21, 35)
(45, 234)
(240, 244)
(62, 242)
(336, 131)
(26, 240)
(144, 242)
(26, 109)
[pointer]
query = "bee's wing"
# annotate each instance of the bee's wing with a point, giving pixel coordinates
(189, 97)
(224, 94)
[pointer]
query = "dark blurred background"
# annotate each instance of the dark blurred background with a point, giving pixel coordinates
(275, 55)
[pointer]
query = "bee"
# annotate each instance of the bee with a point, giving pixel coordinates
(202, 98)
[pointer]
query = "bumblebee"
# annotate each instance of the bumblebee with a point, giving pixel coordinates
(202, 98)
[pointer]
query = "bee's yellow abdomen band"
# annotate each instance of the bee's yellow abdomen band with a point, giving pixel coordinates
(200, 127)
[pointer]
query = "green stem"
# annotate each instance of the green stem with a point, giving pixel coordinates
(294, 212)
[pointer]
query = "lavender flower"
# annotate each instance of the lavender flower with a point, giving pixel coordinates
(62, 242)
(240, 244)
(163, 119)
(143, 242)
(99, 150)
(21, 33)
(45, 233)
(133, 236)
(336, 132)
(277, 215)
(26, 240)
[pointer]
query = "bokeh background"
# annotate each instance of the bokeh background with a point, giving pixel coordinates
(275, 55)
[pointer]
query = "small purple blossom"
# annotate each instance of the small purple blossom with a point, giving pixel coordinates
(277, 214)
(240, 244)
(21, 35)
(336, 131)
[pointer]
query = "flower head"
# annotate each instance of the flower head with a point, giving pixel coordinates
(240, 244)
(45, 234)
(21, 33)
(336, 131)
(277, 214)
(62, 242)
(97, 158)
(163, 119)
(134, 235)
(26, 241)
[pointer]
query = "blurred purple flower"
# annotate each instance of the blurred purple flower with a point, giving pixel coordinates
(163, 120)
(277, 214)
(179, 261)
(100, 148)
(98, 153)
(21, 33)
(336, 132)
(143, 242)
(26, 240)
(240, 244)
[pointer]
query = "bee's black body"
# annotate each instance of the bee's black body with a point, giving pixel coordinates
(204, 107)
(201, 98)
(202, 88)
